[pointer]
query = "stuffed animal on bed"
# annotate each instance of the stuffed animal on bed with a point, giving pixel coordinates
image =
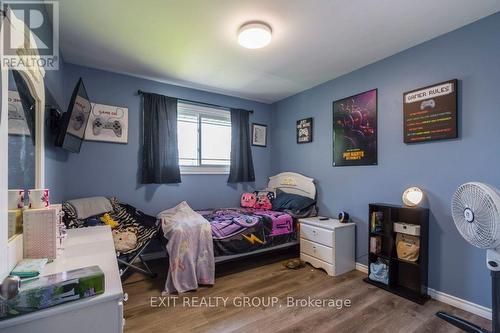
(125, 240)
(248, 200)
(107, 219)
(263, 202)
(270, 194)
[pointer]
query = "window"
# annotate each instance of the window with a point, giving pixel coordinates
(204, 139)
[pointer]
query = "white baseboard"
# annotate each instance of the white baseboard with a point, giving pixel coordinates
(459, 303)
(474, 308)
(362, 268)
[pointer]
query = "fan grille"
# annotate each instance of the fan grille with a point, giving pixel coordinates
(484, 202)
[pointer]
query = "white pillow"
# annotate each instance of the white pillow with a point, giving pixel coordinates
(87, 207)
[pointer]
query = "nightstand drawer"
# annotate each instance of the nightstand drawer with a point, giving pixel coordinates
(316, 250)
(318, 235)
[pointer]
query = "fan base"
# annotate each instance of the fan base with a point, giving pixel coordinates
(461, 323)
(472, 328)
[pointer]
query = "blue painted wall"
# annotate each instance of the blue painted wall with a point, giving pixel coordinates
(56, 95)
(471, 54)
(112, 169)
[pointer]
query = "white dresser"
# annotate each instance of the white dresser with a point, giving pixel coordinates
(328, 244)
(102, 313)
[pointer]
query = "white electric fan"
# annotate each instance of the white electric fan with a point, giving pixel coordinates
(476, 212)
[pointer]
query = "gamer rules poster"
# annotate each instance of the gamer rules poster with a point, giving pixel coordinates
(430, 113)
(355, 130)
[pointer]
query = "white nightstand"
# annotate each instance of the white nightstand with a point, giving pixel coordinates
(328, 244)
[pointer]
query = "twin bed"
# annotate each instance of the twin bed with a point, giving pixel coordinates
(240, 232)
(197, 240)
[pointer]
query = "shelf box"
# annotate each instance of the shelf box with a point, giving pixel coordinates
(407, 228)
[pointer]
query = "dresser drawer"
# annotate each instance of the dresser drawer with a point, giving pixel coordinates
(318, 235)
(316, 250)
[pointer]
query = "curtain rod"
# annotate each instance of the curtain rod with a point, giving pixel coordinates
(140, 92)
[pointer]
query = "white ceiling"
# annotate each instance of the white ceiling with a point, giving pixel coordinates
(193, 42)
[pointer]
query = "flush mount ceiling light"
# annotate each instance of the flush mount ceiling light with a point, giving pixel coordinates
(254, 35)
(412, 196)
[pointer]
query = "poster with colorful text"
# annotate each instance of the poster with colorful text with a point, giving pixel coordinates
(430, 113)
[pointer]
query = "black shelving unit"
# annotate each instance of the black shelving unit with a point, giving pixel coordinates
(406, 279)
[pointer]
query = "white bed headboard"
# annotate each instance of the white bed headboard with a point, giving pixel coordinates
(295, 183)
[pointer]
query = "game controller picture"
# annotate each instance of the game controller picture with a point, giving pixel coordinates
(430, 103)
(99, 124)
(78, 121)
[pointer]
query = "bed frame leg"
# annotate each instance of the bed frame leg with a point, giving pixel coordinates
(130, 264)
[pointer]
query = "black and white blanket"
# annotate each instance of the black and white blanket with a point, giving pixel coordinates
(126, 216)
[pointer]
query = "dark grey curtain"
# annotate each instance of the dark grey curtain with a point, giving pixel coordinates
(241, 169)
(160, 157)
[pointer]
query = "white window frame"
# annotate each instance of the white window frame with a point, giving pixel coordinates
(185, 107)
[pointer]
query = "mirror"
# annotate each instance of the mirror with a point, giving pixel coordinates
(21, 148)
(25, 150)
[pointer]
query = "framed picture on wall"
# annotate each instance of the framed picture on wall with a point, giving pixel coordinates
(305, 130)
(259, 135)
(430, 113)
(107, 123)
(355, 130)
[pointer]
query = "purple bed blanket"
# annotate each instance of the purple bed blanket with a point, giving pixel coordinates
(241, 230)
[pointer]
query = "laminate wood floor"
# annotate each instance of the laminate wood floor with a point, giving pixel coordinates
(371, 309)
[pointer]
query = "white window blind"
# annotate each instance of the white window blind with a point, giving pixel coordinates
(204, 138)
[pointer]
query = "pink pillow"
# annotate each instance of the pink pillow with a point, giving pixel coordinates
(263, 202)
(248, 200)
